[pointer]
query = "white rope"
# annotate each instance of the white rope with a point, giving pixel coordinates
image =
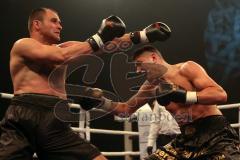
(229, 106)
(130, 153)
(7, 95)
(120, 119)
(112, 154)
(235, 125)
(73, 105)
(104, 131)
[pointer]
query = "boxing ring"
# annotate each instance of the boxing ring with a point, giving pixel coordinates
(86, 131)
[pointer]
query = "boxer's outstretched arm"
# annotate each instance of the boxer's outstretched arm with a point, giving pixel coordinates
(94, 98)
(31, 49)
(146, 93)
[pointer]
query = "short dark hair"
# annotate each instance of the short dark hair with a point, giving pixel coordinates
(37, 14)
(145, 48)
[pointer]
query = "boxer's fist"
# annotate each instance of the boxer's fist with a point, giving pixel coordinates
(110, 28)
(94, 98)
(167, 93)
(155, 32)
(93, 92)
(91, 98)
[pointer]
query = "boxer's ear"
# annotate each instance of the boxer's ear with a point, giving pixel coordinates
(37, 24)
(154, 57)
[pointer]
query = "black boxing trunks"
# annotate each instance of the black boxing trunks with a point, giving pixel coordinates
(30, 125)
(210, 138)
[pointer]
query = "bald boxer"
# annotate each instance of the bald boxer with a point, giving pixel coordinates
(191, 98)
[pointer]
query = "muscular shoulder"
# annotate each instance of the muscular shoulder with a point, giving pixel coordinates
(191, 68)
(25, 41)
(23, 45)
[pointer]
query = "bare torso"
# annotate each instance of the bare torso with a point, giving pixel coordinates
(33, 77)
(186, 113)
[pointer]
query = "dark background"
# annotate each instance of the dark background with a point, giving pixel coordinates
(205, 31)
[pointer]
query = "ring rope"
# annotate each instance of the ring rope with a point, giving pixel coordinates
(113, 154)
(130, 153)
(73, 105)
(104, 131)
(229, 106)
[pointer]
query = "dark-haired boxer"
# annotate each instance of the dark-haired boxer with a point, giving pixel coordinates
(191, 98)
(190, 95)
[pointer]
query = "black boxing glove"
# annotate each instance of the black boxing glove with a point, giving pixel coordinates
(93, 98)
(90, 98)
(155, 32)
(177, 96)
(149, 150)
(89, 103)
(110, 28)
